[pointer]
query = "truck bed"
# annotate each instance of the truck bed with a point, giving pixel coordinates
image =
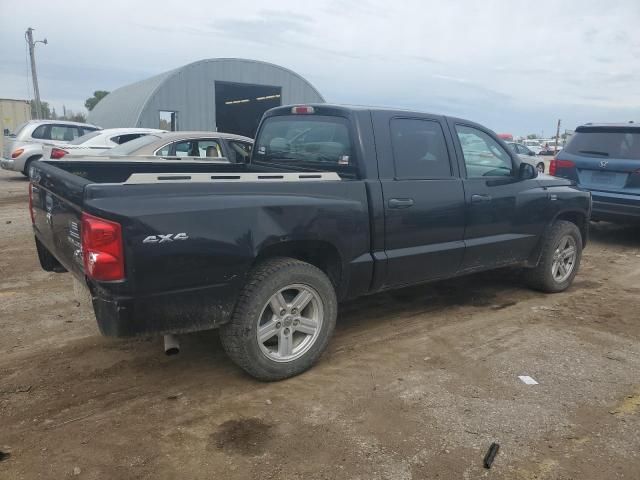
(224, 214)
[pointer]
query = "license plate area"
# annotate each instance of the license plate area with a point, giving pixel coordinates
(603, 178)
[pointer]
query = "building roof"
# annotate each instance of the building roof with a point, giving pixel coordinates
(124, 106)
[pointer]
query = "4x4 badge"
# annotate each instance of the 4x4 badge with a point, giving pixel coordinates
(169, 237)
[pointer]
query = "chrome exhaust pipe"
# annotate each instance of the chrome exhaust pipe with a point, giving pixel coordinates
(171, 345)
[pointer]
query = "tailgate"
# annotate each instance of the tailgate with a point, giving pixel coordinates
(609, 174)
(57, 209)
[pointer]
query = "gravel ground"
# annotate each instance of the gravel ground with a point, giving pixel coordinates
(416, 384)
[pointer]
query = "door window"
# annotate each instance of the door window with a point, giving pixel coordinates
(203, 148)
(483, 156)
(63, 133)
(419, 149)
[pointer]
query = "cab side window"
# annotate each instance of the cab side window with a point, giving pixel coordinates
(483, 156)
(419, 149)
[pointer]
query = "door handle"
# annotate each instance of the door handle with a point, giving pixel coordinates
(480, 198)
(400, 202)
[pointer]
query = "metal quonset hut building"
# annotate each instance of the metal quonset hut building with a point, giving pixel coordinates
(223, 94)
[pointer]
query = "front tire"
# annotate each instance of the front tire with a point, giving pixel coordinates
(560, 259)
(283, 320)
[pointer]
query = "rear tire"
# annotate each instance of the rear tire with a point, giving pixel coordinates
(27, 164)
(560, 259)
(268, 336)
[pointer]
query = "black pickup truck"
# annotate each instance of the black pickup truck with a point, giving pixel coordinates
(336, 202)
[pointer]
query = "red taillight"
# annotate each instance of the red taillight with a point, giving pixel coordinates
(102, 250)
(555, 164)
(57, 153)
(31, 211)
(302, 110)
(17, 153)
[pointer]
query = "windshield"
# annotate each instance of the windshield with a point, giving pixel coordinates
(309, 142)
(623, 144)
(130, 148)
(85, 137)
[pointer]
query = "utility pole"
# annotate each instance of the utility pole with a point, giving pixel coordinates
(34, 75)
(555, 149)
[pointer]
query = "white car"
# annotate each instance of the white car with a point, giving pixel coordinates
(25, 145)
(534, 145)
(94, 143)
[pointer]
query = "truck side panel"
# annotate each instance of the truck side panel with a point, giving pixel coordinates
(194, 244)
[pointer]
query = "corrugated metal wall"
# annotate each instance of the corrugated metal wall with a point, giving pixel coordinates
(190, 91)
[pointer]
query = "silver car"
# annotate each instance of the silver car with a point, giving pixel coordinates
(26, 144)
(212, 146)
(528, 156)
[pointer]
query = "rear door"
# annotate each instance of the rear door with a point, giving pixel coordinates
(503, 215)
(423, 198)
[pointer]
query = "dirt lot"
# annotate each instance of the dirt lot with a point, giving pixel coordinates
(416, 384)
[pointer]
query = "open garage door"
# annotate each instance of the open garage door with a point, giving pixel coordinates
(239, 106)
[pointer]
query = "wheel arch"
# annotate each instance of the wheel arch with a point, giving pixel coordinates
(28, 161)
(576, 217)
(319, 253)
(579, 219)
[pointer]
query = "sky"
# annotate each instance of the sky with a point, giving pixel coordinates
(515, 66)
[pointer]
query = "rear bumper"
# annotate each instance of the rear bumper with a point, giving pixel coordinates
(7, 163)
(615, 207)
(170, 312)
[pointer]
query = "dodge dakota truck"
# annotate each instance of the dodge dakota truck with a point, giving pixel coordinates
(334, 203)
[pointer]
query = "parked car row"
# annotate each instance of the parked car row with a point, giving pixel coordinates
(56, 139)
(26, 144)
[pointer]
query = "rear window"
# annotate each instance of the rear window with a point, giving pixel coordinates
(623, 143)
(308, 142)
(130, 147)
(85, 137)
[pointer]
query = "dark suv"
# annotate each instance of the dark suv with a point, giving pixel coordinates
(605, 160)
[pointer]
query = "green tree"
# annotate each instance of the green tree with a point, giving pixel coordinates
(98, 95)
(46, 110)
(77, 117)
(532, 136)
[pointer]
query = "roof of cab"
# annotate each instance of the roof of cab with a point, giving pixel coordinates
(328, 107)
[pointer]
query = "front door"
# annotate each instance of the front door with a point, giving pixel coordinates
(423, 197)
(504, 215)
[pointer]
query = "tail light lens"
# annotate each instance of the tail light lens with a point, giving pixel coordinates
(16, 153)
(556, 164)
(31, 211)
(102, 250)
(57, 153)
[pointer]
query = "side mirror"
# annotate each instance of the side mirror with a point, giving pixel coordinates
(527, 172)
(531, 154)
